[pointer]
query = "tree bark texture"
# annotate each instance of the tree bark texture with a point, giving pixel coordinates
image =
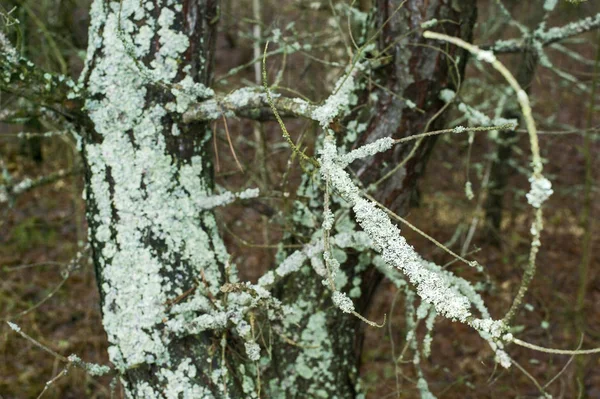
(146, 177)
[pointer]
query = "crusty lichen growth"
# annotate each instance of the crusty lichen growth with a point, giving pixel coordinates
(340, 100)
(155, 241)
(450, 297)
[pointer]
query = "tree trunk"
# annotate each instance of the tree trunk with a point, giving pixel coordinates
(146, 177)
(161, 265)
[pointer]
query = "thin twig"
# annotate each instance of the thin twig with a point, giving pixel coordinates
(555, 351)
(459, 129)
(237, 162)
(286, 134)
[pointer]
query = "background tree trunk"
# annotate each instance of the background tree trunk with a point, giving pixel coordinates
(501, 169)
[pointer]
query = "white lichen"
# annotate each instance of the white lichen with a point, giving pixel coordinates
(291, 264)
(541, 190)
(368, 150)
(316, 359)
(328, 219)
(487, 56)
(13, 326)
(429, 23)
(141, 194)
(342, 302)
(95, 370)
(439, 288)
(549, 5)
(469, 191)
(447, 95)
(252, 351)
(341, 99)
(570, 29)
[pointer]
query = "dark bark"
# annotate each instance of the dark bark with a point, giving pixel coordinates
(417, 73)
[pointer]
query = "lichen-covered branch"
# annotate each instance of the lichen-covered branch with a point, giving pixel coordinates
(10, 190)
(21, 77)
(250, 104)
(436, 287)
(546, 37)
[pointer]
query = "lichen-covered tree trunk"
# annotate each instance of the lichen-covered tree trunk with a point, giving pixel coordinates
(168, 293)
(147, 175)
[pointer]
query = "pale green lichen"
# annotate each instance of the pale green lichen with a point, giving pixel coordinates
(487, 56)
(387, 239)
(14, 326)
(424, 389)
(570, 29)
(342, 97)
(180, 383)
(367, 150)
(315, 361)
(252, 351)
(328, 219)
(469, 191)
(213, 201)
(342, 301)
(435, 286)
(95, 370)
(447, 95)
(353, 130)
(429, 323)
(549, 5)
(478, 118)
(153, 196)
(429, 23)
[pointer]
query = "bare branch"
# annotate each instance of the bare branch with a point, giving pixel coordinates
(23, 78)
